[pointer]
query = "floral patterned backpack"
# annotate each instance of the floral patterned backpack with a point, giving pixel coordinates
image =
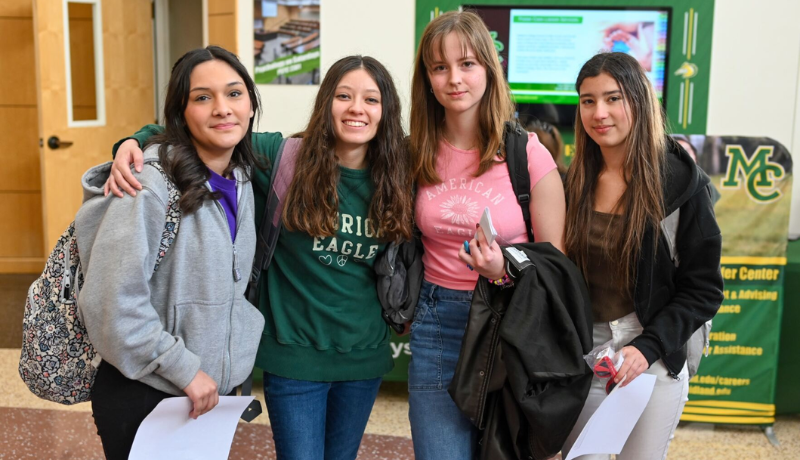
(58, 362)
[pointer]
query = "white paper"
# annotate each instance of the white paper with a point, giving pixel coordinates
(488, 229)
(612, 423)
(169, 433)
(518, 255)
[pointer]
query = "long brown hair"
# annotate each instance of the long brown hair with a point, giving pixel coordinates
(312, 201)
(642, 203)
(427, 114)
(177, 153)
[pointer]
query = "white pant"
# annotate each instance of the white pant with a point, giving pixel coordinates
(650, 438)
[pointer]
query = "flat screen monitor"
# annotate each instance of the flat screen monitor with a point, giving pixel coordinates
(543, 48)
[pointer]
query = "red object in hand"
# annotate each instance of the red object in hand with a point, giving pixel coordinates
(605, 370)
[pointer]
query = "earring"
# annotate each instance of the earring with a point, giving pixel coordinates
(431, 90)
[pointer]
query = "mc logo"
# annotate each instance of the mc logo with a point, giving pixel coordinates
(758, 171)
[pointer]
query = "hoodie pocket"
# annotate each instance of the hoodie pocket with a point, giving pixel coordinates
(247, 324)
(204, 326)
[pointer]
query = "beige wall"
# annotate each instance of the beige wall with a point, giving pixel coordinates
(754, 75)
(348, 27)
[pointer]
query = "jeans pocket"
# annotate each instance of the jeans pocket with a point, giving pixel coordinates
(419, 313)
(425, 368)
(425, 328)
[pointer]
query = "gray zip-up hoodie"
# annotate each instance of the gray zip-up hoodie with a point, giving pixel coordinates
(161, 328)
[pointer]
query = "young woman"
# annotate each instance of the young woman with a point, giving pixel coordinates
(325, 346)
(185, 328)
(460, 101)
(627, 177)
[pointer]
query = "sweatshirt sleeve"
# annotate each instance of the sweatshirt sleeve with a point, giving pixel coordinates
(122, 324)
(698, 282)
(266, 145)
(140, 136)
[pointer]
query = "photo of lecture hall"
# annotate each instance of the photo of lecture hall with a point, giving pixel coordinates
(399, 230)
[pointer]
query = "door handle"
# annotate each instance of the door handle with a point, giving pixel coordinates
(55, 143)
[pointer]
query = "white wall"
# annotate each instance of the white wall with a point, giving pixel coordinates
(754, 75)
(383, 29)
(755, 65)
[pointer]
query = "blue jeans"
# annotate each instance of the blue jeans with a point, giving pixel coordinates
(438, 428)
(318, 420)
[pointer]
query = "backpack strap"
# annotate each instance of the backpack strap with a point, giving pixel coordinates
(267, 238)
(173, 215)
(516, 142)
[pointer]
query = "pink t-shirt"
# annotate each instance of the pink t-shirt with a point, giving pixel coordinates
(446, 213)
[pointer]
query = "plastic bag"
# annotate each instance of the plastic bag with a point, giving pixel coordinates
(605, 350)
(605, 362)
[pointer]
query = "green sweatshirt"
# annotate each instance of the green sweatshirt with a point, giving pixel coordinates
(322, 314)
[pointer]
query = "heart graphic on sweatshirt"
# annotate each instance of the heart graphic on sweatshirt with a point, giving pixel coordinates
(326, 260)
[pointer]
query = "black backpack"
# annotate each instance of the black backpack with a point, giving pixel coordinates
(516, 141)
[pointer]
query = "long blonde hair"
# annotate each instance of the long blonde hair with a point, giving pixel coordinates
(427, 114)
(642, 203)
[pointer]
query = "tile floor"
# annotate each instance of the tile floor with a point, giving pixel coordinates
(37, 429)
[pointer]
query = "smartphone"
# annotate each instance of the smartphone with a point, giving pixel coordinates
(488, 229)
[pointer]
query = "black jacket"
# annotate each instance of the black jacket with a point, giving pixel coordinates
(399, 274)
(672, 302)
(520, 376)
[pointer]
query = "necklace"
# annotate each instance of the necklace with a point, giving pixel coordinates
(452, 144)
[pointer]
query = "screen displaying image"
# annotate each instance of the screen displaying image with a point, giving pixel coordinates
(543, 49)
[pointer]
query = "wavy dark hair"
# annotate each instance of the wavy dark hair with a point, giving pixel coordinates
(312, 201)
(177, 153)
(642, 203)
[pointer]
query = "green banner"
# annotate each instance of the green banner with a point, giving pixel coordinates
(402, 356)
(288, 66)
(736, 382)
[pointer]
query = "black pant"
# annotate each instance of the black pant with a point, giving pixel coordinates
(119, 405)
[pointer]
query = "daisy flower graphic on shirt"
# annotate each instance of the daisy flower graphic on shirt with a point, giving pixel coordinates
(460, 210)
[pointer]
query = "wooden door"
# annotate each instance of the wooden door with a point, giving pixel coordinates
(222, 23)
(82, 46)
(20, 200)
